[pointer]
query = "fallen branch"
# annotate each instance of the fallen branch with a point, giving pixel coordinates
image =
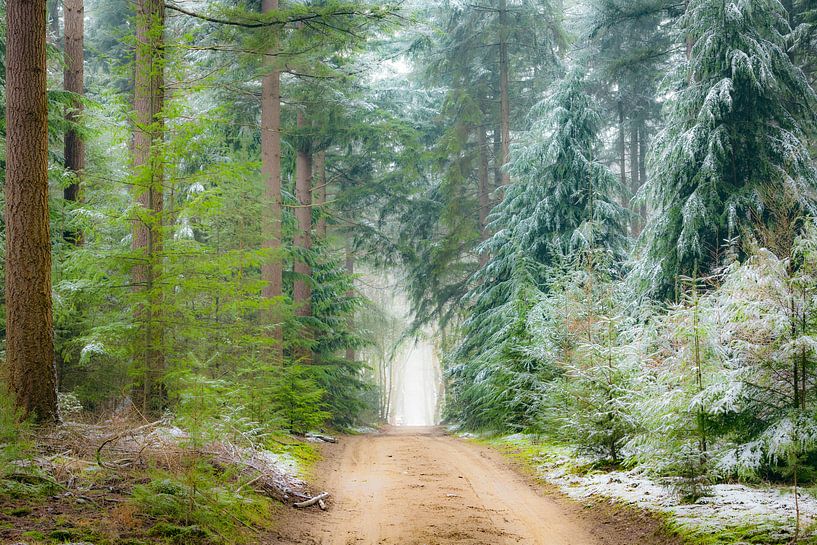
(119, 436)
(320, 437)
(310, 502)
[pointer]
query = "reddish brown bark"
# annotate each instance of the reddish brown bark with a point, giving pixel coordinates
(302, 291)
(272, 269)
(148, 136)
(29, 324)
(484, 190)
(635, 182)
(350, 269)
(504, 93)
(497, 154)
(622, 147)
(73, 82)
(320, 193)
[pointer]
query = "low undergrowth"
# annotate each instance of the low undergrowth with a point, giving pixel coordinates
(200, 505)
(559, 465)
(67, 488)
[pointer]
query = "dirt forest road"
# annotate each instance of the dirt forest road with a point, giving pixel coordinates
(417, 486)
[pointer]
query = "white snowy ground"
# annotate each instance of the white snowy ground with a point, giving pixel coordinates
(727, 506)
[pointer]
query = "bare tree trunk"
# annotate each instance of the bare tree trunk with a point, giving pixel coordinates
(29, 322)
(148, 136)
(302, 290)
(320, 193)
(622, 148)
(350, 269)
(73, 82)
(272, 269)
(642, 168)
(484, 191)
(504, 93)
(635, 170)
(497, 141)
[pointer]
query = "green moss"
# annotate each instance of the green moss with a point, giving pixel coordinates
(182, 535)
(67, 532)
(306, 454)
(759, 534)
(34, 534)
(62, 534)
(30, 484)
(22, 511)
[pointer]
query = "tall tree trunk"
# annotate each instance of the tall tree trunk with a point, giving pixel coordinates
(642, 167)
(635, 171)
(302, 290)
(272, 269)
(622, 148)
(148, 136)
(350, 269)
(73, 82)
(484, 190)
(504, 94)
(688, 39)
(29, 323)
(320, 193)
(497, 141)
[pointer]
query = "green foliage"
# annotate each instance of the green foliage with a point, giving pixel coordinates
(560, 204)
(299, 400)
(201, 506)
(591, 404)
(733, 156)
(496, 372)
(20, 479)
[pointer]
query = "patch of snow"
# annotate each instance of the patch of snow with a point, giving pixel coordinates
(518, 439)
(170, 434)
(726, 505)
(363, 430)
(284, 462)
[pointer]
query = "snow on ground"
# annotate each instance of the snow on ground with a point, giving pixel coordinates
(727, 505)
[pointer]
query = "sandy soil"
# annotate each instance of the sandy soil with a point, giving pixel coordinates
(417, 486)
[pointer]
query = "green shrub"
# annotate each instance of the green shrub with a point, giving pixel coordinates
(200, 505)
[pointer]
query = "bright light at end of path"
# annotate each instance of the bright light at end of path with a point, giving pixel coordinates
(417, 386)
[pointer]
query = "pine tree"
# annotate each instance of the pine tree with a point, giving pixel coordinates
(767, 334)
(148, 163)
(590, 405)
(677, 437)
(74, 82)
(562, 202)
(29, 332)
(272, 271)
(496, 372)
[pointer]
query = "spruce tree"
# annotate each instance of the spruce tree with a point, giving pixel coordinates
(564, 199)
(733, 154)
(562, 202)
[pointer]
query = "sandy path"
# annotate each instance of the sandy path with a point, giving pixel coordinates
(416, 486)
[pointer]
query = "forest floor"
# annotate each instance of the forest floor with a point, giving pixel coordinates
(419, 486)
